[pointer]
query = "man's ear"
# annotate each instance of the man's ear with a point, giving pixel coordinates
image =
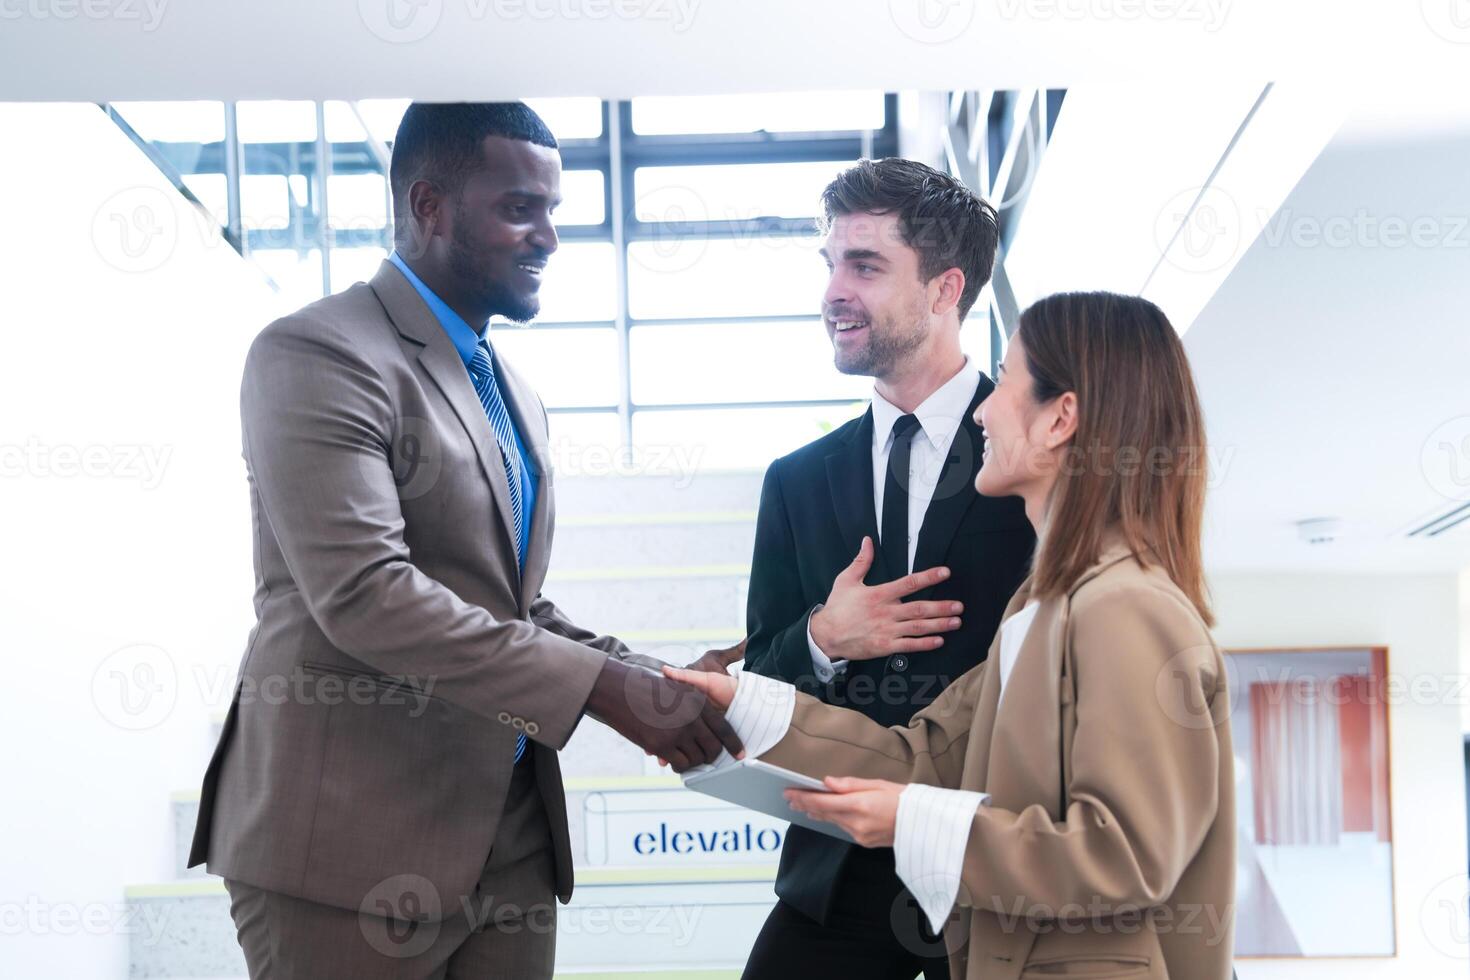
(951, 286)
(425, 207)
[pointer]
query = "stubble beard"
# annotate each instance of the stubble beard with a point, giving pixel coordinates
(891, 341)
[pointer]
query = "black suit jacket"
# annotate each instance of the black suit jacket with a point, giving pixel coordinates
(816, 506)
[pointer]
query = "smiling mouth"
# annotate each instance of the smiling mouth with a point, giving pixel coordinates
(848, 326)
(533, 269)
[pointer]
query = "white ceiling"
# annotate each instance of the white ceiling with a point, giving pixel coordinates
(1334, 362)
(463, 49)
(1326, 371)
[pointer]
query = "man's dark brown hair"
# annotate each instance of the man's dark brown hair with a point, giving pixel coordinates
(949, 225)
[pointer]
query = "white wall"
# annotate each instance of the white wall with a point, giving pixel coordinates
(1417, 618)
(126, 526)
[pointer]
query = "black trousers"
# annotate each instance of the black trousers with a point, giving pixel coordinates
(875, 931)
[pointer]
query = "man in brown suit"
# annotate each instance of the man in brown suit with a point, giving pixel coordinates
(385, 799)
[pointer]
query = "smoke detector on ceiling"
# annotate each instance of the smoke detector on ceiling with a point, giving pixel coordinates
(1319, 530)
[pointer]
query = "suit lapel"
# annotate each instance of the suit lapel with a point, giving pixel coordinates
(415, 321)
(525, 411)
(1024, 764)
(955, 491)
(850, 481)
(985, 710)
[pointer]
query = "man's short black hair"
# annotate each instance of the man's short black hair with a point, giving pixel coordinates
(440, 142)
(949, 225)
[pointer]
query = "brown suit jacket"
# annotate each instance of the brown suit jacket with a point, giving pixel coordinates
(398, 648)
(1107, 847)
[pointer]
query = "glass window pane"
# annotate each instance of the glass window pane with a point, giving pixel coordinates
(382, 116)
(342, 124)
(975, 334)
(569, 368)
(350, 265)
(298, 276)
(175, 122)
(580, 284)
(570, 119)
(212, 192)
(276, 121)
(724, 277)
(732, 192)
(581, 442)
(743, 438)
(582, 198)
(693, 363)
(357, 202)
(266, 201)
(775, 112)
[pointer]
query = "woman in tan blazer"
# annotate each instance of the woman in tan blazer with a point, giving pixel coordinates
(1065, 809)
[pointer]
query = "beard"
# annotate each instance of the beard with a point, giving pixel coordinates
(891, 340)
(470, 261)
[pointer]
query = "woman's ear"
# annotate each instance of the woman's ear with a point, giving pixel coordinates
(1063, 421)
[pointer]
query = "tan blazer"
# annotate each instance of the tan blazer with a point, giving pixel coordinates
(398, 648)
(1107, 848)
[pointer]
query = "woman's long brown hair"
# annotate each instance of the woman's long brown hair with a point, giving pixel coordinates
(1138, 458)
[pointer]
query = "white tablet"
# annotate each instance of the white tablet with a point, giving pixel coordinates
(758, 785)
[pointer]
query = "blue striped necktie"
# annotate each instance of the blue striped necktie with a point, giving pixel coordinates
(482, 373)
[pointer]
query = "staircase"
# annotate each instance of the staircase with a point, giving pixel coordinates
(661, 562)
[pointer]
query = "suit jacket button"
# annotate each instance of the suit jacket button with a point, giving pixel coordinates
(518, 723)
(532, 728)
(503, 717)
(900, 663)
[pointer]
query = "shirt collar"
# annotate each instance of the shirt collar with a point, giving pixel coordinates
(464, 336)
(939, 415)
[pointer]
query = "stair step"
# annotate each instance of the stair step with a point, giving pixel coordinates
(669, 538)
(660, 920)
(664, 599)
(704, 490)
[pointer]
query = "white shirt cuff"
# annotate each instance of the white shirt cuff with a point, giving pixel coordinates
(825, 666)
(760, 713)
(929, 839)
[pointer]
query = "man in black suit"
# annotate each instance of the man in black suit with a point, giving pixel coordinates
(882, 628)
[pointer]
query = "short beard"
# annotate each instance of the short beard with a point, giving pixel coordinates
(890, 343)
(468, 266)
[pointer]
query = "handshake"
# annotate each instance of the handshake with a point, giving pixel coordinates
(678, 722)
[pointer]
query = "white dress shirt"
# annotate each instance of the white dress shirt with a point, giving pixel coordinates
(940, 417)
(933, 824)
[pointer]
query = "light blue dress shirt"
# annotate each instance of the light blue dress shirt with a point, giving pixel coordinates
(465, 340)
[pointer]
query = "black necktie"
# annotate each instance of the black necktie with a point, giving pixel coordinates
(894, 534)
